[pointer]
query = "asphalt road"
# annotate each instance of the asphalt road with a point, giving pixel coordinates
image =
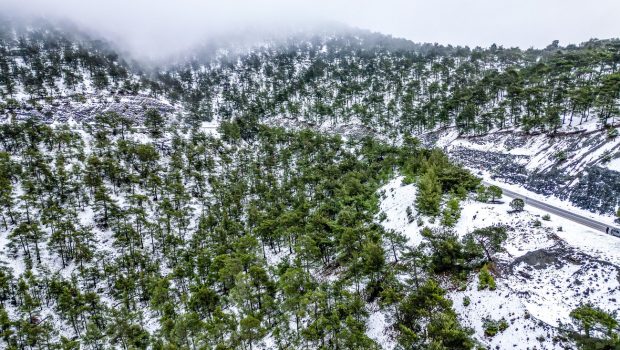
(555, 210)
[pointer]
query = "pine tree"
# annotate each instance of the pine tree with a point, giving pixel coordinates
(154, 123)
(517, 204)
(429, 193)
(425, 317)
(490, 239)
(494, 192)
(451, 213)
(589, 318)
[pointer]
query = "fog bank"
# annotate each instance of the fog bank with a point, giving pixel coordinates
(156, 27)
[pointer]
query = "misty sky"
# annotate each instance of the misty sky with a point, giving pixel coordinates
(160, 27)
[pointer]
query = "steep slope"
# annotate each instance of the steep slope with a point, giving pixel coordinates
(578, 166)
(160, 207)
(354, 83)
(547, 269)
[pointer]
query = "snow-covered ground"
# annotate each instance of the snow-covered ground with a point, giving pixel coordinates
(614, 164)
(395, 201)
(577, 167)
(523, 332)
(540, 152)
(379, 329)
(552, 200)
(548, 268)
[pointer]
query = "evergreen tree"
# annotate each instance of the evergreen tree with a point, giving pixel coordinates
(429, 193)
(517, 204)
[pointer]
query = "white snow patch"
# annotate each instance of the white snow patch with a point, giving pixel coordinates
(533, 299)
(397, 198)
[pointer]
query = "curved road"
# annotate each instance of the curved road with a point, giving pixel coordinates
(555, 210)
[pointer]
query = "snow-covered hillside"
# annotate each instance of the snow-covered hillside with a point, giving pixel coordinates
(580, 166)
(548, 268)
(255, 198)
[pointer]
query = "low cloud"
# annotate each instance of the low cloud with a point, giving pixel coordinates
(154, 28)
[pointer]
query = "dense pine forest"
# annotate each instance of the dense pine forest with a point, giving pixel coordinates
(160, 233)
(213, 243)
(390, 85)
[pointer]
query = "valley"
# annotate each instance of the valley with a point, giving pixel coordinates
(341, 190)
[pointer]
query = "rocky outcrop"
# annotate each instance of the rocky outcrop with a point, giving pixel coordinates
(570, 167)
(85, 108)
